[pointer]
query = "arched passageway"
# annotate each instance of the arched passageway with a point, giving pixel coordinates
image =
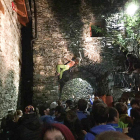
(76, 88)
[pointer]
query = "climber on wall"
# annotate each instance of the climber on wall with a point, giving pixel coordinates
(61, 67)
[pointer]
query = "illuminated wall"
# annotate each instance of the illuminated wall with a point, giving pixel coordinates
(10, 57)
(63, 30)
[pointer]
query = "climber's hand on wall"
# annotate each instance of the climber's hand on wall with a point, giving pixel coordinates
(67, 59)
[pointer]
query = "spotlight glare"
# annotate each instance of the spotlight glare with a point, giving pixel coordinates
(88, 39)
(131, 9)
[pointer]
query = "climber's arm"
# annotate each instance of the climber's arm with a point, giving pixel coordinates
(68, 59)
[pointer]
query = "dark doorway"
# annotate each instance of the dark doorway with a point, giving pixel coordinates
(27, 66)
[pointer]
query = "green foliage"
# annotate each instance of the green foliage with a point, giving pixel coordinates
(132, 24)
(131, 35)
(98, 30)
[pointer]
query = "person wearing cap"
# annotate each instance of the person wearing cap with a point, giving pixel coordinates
(29, 127)
(56, 131)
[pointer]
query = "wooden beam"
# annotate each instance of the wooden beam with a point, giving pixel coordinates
(20, 8)
(1, 7)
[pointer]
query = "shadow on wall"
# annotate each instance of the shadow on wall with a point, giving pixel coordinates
(67, 14)
(43, 91)
(105, 7)
(27, 66)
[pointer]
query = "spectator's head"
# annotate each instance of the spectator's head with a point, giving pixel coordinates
(41, 110)
(121, 108)
(17, 115)
(59, 113)
(47, 111)
(100, 113)
(96, 102)
(136, 66)
(71, 116)
(82, 104)
(135, 103)
(113, 115)
(112, 135)
(59, 109)
(53, 105)
(56, 132)
(59, 102)
(29, 109)
(135, 114)
(73, 123)
(37, 111)
(68, 103)
(52, 112)
(129, 57)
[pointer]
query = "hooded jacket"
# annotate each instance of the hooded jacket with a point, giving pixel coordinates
(97, 130)
(81, 115)
(29, 129)
(134, 132)
(116, 126)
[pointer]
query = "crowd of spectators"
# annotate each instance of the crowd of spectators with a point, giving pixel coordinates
(70, 120)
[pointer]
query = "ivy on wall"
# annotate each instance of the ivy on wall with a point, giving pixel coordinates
(129, 38)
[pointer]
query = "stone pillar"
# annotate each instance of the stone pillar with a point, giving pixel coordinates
(10, 56)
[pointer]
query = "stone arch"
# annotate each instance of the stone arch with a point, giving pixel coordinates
(74, 75)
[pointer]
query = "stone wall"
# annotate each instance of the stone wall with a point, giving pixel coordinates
(10, 58)
(63, 31)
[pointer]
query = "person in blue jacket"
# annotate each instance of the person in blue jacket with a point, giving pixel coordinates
(100, 114)
(82, 106)
(113, 119)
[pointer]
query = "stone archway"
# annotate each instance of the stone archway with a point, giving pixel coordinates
(76, 88)
(77, 83)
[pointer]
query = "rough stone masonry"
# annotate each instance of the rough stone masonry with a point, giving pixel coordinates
(10, 57)
(63, 30)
